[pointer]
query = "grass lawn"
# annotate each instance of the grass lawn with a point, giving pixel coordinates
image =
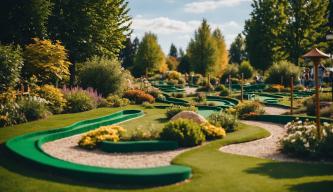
(213, 170)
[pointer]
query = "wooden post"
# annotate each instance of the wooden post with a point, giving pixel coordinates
(292, 95)
(242, 86)
(316, 64)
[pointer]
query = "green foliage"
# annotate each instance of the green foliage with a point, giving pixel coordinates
(175, 109)
(186, 132)
(11, 63)
(302, 140)
(225, 120)
(104, 75)
(46, 60)
(223, 90)
(78, 101)
(147, 105)
(54, 96)
(138, 96)
(248, 108)
(10, 111)
(200, 98)
(172, 63)
(222, 58)
(311, 108)
(233, 70)
(128, 53)
(150, 57)
(116, 101)
(173, 51)
(263, 33)
(23, 20)
(34, 108)
(246, 69)
(282, 69)
(237, 52)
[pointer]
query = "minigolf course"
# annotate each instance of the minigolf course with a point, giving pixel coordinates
(29, 148)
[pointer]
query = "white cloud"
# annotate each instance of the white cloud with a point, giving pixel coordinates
(202, 6)
(179, 32)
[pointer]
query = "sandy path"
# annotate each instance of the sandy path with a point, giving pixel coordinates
(67, 149)
(267, 148)
(275, 110)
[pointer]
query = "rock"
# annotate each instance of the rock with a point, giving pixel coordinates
(189, 115)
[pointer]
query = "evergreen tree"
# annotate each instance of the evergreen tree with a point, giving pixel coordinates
(222, 58)
(263, 33)
(128, 53)
(307, 26)
(173, 51)
(202, 51)
(22, 20)
(237, 52)
(150, 57)
(90, 27)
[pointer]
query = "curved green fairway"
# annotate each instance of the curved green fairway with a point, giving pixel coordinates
(213, 170)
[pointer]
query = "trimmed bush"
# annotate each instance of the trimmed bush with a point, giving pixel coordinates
(11, 63)
(226, 120)
(212, 132)
(78, 100)
(34, 108)
(105, 133)
(10, 111)
(246, 69)
(233, 70)
(138, 96)
(249, 108)
(54, 96)
(104, 75)
(223, 90)
(175, 109)
(186, 132)
(116, 101)
(282, 69)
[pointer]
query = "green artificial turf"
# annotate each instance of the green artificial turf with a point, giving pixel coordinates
(213, 170)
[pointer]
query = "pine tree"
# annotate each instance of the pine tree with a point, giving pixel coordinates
(150, 57)
(263, 33)
(307, 26)
(202, 51)
(128, 53)
(222, 58)
(237, 52)
(173, 51)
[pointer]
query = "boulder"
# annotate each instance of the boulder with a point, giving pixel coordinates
(189, 115)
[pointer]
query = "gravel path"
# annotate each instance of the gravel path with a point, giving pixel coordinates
(275, 110)
(67, 149)
(267, 148)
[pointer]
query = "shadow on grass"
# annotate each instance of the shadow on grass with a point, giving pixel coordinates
(285, 170)
(162, 120)
(15, 164)
(322, 186)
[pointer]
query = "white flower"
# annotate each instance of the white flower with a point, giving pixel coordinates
(293, 140)
(307, 145)
(324, 133)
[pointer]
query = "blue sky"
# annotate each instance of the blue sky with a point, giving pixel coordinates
(174, 21)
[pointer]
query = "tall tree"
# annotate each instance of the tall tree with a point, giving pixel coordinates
(222, 58)
(90, 27)
(307, 26)
(237, 52)
(128, 53)
(150, 57)
(330, 24)
(263, 33)
(22, 20)
(173, 51)
(202, 50)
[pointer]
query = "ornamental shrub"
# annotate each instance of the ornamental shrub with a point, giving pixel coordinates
(284, 70)
(78, 100)
(247, 70)
(106, 133)
(34, 108)
(10, 110)
(248, 108)
(54, 96)
(302, 140)
(212, 132)
(138, 96)
(104, 75)
(226, 120)
(11, 63)
(223, 90)
(116, 101)
(186, 132)
(175, 109)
